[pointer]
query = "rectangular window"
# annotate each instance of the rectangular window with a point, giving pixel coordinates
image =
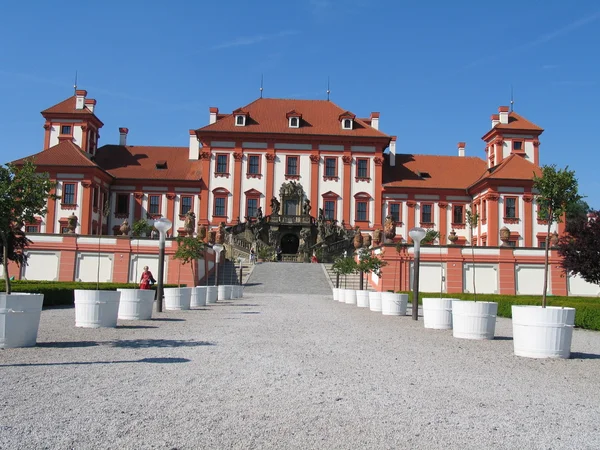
(122, 204)
(154, 204)
(292, 165)
(458, 214)
(510, 207)
(362, 168)
(251, 207)
(395, 211)
(330, 167)
(66, 130)
(68, 197)
(329, 209)
(186, 204)
(96, 197)
(426, 216)
(220, 206)
(222, 163)
(253, 165)
(517, 146)
(361, 210)
(484, 211)
(32, 229)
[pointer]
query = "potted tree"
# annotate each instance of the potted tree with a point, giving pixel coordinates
(473, 319)
(546, 331)
(266, 254)
(23, 195)
(136, 304)
(189, 250)
(344, 267)
(367, 263)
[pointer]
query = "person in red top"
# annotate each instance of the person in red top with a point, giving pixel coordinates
(146, 279)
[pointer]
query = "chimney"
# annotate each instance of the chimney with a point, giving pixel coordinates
(80, 99)
(123, 136)
(213, 115)
(393, 151)
(503, 114)
(90, 104)
(194, 152)
(495, 120)
(461, 149)
(375, 120)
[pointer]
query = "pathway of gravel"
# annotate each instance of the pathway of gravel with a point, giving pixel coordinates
(291, 370)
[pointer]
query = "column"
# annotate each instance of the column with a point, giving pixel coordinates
(205, 157)
(378, 185)
(528, 220)
(492, 219)
(410, 220)
(51, 215)
(347, 188)
(443, 225)
(269, 186)
(170, 212)
(86, 208)
(315, 158)
(237, 184)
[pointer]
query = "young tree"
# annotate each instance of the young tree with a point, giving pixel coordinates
(557, 190)
(344, 266)
(189, 250)
(369, 263)
(472, 219)
(580, 248)
(23, 195)
(140, 227)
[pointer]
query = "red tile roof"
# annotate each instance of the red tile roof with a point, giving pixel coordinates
(139, 162)
(268, 115)
(433, 171)
(514, 167)
(65, 153)
(67, 107)
(517, 122)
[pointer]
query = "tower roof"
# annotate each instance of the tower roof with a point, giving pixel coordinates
(63, 154)
(67, 108)
(268, 115)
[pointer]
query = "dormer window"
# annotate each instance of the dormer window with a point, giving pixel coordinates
(294, 122)
(347, 120)
(347, 124)
(293, 118)
(240, 120)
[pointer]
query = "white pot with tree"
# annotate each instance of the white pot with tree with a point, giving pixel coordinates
(367, 264)
(546, 331)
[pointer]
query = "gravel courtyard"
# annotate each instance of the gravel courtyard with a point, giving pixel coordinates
(287, 367)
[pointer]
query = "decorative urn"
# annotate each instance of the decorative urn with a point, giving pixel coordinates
(367, 241)
(72, 223)
(504, 235)
(389, 228)
(202, 232)
(376, 238)
(452, 237)
(358, 239)
(125, 228)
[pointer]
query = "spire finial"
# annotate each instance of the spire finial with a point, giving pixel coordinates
(75, 84)
(512, 101)
(261, 85)
(328, 90)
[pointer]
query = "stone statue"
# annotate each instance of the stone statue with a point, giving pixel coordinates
(275, 205)
(72, 223)
(189, 223)
(259, 213)
(389, 227)
(307, 207)
(321, 217)
(125, 228)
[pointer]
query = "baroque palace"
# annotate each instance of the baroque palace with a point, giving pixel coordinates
(348, 169)
(303, 175)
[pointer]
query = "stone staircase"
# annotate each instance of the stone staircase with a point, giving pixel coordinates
(229, 273)
(351, 281)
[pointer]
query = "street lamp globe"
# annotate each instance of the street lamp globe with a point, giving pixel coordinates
(163, 225)
(417, 234)
(218, 248)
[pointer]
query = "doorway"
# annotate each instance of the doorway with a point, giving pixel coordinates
(289, 244)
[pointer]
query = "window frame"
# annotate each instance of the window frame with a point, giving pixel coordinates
(516, 207)
(181, 199)
(252, 199)
(73, 204)
(520, 141)
(483, 211)
(289, 175)
(399, 205)
(237, 120)
(333, 203)
(292, 119)
(259, 165)
(218, 194)
(70, 133)
(431, 212)
(327, 176)
(159, 205)
(367, 169)
(359, 199)
(345, 122)
(118, 195)
(221, 155)
(463, 212)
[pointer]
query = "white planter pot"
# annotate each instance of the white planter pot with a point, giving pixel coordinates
(474, 320)
(95, 309)
(375, 301)
(542, 332)
(241, 291)
(198, 297)
(350, 296)
(211, 294)
(136, 304)
(362, 299)
(224, 292)
(336, 292)
(341, 295)
(178, 299)
(234, 291)
(437, 313)
(393, 304)
(20, 319)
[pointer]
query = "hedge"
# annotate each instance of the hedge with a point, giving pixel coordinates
(587, 314)
(61, 292)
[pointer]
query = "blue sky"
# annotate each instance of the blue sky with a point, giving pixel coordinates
(435, 72)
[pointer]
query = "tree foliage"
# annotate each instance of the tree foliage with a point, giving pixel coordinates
(189, 249)
(430, 236)
(23, 195)
(580, 248)
(369, 263)
(557, 191)
(141, 227)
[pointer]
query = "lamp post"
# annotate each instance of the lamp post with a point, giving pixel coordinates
(416, 234)
(162, 225)
(218, 248)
